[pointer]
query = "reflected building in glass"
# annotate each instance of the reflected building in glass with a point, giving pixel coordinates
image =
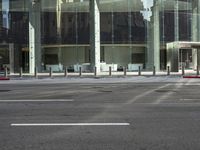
(99, 33)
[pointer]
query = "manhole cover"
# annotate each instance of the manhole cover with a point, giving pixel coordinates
(164, 91)
(105, 91)
(97, 87)
(4, 90)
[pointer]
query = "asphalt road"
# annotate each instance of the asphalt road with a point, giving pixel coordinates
(100, 116)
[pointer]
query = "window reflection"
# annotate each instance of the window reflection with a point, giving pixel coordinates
(125, 27)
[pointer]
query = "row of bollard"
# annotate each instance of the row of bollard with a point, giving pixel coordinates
(95, 71)
(183, 70)
(139, 71)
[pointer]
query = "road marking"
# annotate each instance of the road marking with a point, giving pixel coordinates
(38, 100)
(144, 94)
(172, 103)
(168, 94)
(69, 124)
(189, 99)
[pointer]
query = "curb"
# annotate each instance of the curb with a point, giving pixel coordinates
(191, 77)
(4, 78)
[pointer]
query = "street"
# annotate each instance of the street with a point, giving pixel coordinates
(100, 114)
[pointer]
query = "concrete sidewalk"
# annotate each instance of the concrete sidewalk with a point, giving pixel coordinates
(104, 80)
(114, 73)
(103, 77)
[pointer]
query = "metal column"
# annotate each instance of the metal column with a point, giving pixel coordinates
(195, 32)
(34, 35)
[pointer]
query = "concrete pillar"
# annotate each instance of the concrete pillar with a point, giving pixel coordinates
(195, 32)
(59, 36)
(34, 35)
(156, 35)
(149, 50)
(11, 58)
(153, 58)
(173, 48)
(198, 57)
(176, 20)
(95, 35)
(172, 56)
(195, 56)
(175, 65)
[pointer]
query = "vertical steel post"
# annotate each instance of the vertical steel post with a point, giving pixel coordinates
(6, 72)
(183, 70)
(197, 70)
(80, 71)
(168, 71)
(139, 70)
(20, 72)
(95, 71)
(50, 72)
(154, 70)
(110, 71)
(65, 74)
(125, 71)
(36, 73)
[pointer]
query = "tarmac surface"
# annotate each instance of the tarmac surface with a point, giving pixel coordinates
(127, 113)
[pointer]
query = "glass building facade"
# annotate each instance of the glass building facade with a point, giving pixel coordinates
(57, 33)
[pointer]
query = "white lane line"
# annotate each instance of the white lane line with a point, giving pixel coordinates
(173, 103)
(189, 99)
(69, 124)
(38, 100)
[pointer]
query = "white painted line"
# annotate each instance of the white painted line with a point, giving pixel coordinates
(69, 124)
(38, 100)
(144, 94)
(189, 99)
(168, 94)
(172, 103)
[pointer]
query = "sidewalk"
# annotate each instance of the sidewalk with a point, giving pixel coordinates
(103, 77)
(103, 74)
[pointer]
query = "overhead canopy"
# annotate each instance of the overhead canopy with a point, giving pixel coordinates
(173, 53)
(184, 44)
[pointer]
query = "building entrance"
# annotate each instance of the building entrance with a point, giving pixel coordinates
(7, 57)
(181, 54)
(25, 59)
(185, 58)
